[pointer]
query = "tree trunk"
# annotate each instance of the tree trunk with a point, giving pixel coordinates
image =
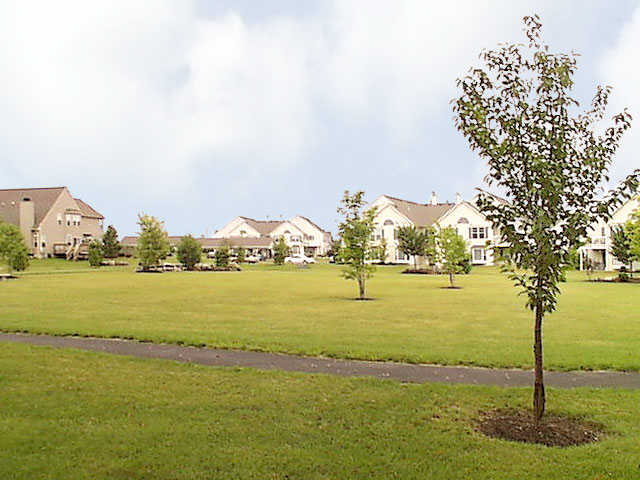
(361, 285)
(451, 279)
(415, 262)
(538, 391)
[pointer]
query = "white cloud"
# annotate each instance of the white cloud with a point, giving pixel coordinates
(137, 93)
(619, 67)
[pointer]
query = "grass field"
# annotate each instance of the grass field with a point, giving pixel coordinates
(71, 414)
(311, 311)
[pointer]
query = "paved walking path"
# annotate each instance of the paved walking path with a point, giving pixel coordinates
(350, 368)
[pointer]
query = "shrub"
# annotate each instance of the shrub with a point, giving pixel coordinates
(241, 254)
(222, 257)
(96, 253)
(13, 251)
(280, 251)
(189, 252)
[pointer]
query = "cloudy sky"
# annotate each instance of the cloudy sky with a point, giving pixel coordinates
(196, 112)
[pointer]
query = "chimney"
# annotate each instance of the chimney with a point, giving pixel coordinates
(27, 218)
(434, 198)
(458, 199)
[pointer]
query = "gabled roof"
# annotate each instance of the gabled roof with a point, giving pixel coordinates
(264, 227)
(87, 210)
(421, 214)
(43, 199)
(312, 223)
(504, 201)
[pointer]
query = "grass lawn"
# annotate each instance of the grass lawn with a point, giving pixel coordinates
(71, 414)
(311, 311)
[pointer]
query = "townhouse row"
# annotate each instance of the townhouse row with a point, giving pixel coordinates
(54, 223)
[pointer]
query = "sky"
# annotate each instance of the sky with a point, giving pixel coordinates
(197, 112)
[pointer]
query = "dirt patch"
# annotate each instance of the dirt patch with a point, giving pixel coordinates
(553, 431)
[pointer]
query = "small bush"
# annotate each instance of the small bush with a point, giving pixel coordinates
(222, 257)
(189, 252)
(96, 253)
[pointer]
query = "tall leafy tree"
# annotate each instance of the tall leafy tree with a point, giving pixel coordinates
(110, 244)
(517, 112)
(355, 231)
(153, 243)
(280, 251)
(451, 252)
(189, 252)
(413, 242)
(13, 251)
(621, 246)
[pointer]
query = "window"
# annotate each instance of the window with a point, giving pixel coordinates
(243, 233)
(479, 255)
(604, 231)
(478, 232)
(388, 223)
(463, 220)
(59, 219)
(395, 234)
(401, 256)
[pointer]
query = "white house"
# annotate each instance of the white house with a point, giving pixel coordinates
(598, 247)
(462, 215)
(301, 234)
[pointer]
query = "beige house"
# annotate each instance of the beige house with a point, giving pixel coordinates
(464, 216)
(51, 220)
(300, 233)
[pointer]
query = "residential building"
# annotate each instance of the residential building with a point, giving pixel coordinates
(462, 215)
(597, 249)
(50, 219)
(301, 235)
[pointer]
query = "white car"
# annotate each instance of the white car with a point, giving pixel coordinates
(299, 259)
(251, 259)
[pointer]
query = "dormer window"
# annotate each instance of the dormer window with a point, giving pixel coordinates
(59, 219)
(243, 233)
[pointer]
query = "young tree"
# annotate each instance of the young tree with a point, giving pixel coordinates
(280, 251)
(355, 231)
(518, 114)
(383, 251)
(621, 247)
(413, 242)
(633, 231)
(96, 253)
(110, 243)
(13, 252)
(221, 256)
(189, 252)
(451, 252)
(241, 254)
(153, 243)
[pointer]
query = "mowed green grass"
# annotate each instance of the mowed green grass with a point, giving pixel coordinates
(70, 414)
(312, 311)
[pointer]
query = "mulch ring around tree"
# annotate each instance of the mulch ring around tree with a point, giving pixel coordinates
(615, 280)
(553, 431)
